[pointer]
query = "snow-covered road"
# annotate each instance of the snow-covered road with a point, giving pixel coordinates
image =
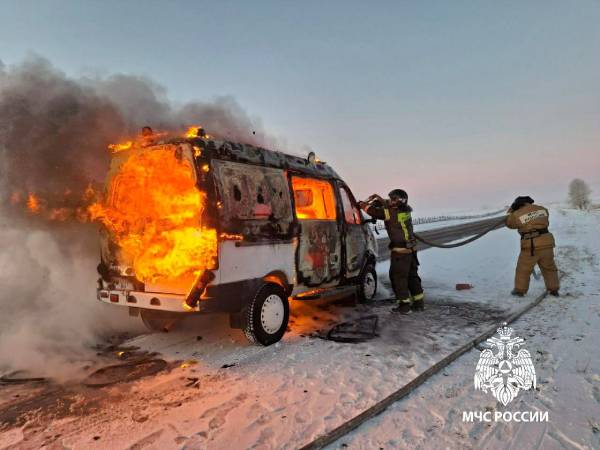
(232, 395)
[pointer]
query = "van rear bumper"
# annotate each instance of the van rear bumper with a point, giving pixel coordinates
(228, 297)
(146, 300)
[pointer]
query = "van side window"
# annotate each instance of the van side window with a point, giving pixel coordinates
(314, 199)
(254, 195)
(351, 213)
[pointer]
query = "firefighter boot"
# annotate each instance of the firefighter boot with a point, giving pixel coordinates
(402, 308)
(418, 305)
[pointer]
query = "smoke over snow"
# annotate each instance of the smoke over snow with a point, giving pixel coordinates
(54, 132)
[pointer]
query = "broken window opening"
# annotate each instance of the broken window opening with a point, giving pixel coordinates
(314, 199)
(249, 196)
(237, 194)
(351, 213)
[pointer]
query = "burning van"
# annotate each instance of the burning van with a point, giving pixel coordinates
(199, 225)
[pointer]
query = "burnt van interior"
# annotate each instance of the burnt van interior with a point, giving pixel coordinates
(314, 199)
(319, 249)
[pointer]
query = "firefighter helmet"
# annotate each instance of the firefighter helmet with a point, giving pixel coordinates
(520, 202)
(399, 194)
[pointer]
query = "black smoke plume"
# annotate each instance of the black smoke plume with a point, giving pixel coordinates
(54, 133)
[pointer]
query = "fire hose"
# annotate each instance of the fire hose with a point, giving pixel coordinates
(373, 411)
(493, 226)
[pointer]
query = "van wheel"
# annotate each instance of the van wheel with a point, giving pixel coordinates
(367, 287)
(159, 320)
(267, 316)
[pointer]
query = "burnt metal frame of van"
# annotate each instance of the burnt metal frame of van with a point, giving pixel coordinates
(229, 293)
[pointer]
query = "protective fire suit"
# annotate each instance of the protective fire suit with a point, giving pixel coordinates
(403, 260)
(537, 246)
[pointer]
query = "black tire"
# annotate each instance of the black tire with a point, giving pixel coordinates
(367, 284)
(160, 321)
(266, 317)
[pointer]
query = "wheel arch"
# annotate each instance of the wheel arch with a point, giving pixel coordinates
(369, 266)
(370, 260)
(280, 278)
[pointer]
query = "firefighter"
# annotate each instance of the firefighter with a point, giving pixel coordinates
(396, 214)
(537, 245)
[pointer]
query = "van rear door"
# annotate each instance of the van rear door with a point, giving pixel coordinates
(152, 217)
(319, 254)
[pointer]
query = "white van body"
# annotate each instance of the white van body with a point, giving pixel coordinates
(288, 227)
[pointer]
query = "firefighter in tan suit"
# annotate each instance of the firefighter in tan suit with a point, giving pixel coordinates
(537, 245)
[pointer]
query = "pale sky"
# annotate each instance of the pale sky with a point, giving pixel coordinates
(463, 104)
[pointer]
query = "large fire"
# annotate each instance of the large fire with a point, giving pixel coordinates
(153, 212)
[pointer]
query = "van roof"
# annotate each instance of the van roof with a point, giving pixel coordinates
(250, 154)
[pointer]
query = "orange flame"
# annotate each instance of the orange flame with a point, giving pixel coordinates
(115, 148)
(56, 207)
(231, 237)
(196, 131)
(192, 132)
(33, 203)
(153, 213)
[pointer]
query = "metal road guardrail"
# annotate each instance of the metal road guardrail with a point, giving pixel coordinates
(443, 235)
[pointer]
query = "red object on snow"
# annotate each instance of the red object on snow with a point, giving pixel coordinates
(463, 286)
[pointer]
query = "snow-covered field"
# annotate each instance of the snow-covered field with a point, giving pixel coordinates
(230, 395)
(562, 335)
